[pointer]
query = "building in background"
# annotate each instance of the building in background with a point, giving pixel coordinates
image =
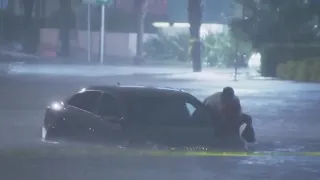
(46, 11)
(156, 7)
(214, 12)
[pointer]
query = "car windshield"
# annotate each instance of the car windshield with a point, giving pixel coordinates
(156, 109)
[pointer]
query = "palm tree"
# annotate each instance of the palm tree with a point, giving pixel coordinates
(195, 19)
(65, 13)
(140, 12)
(10, 7)
(28, 6)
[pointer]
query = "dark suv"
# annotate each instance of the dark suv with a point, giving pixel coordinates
(114, 113)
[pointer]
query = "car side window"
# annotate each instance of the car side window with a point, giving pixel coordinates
(198, 114)
(87, 100)
(172, 113)
(108, 106)
(191, 108)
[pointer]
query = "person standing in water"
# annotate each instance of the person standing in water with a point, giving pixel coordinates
(227, 106)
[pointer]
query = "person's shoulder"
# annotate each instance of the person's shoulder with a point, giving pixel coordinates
(215, 96)
(237, 98)
(213, 99)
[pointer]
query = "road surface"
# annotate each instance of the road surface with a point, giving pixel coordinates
(285, 115)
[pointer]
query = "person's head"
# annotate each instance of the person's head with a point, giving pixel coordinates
(227, 94)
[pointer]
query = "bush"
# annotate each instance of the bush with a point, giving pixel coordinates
(166, 47)
(218, 49)
(304, 70)
(315, 71)
(287, 70)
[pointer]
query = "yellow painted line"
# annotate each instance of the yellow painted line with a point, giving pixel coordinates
(100, 151)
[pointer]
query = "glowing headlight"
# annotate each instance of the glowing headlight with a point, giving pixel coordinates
(56, 106)
(82, 90)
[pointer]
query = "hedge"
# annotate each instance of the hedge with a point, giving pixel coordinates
(303, 70)
(218, 49)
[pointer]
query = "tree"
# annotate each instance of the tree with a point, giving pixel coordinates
(140, 12)
(274, 28)
(195, 8)
(28, 6)
(288, 20)
(66, 23)
(315, 9)
(219, 50)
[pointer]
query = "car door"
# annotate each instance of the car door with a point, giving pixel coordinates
(199, 127)
(81, 111)
(194, 129)
(169, 122)
(109, 109)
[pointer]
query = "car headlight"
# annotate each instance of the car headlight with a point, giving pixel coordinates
(57, 106)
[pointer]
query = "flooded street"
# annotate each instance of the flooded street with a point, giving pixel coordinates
(285, 116)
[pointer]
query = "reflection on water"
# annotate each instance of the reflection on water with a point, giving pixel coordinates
(264, 166)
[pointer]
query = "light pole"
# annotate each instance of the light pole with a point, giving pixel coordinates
(102, 32)
(89, 33)
(103, 4)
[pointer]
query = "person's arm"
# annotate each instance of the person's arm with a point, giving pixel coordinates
(238, 108)
(247, 119)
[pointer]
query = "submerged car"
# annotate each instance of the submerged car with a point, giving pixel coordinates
(134, 113)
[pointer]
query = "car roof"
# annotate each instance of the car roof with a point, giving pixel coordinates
(147, 90)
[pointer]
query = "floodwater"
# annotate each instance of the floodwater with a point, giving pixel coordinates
(285, 116)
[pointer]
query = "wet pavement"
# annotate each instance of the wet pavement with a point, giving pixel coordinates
(285, 116)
